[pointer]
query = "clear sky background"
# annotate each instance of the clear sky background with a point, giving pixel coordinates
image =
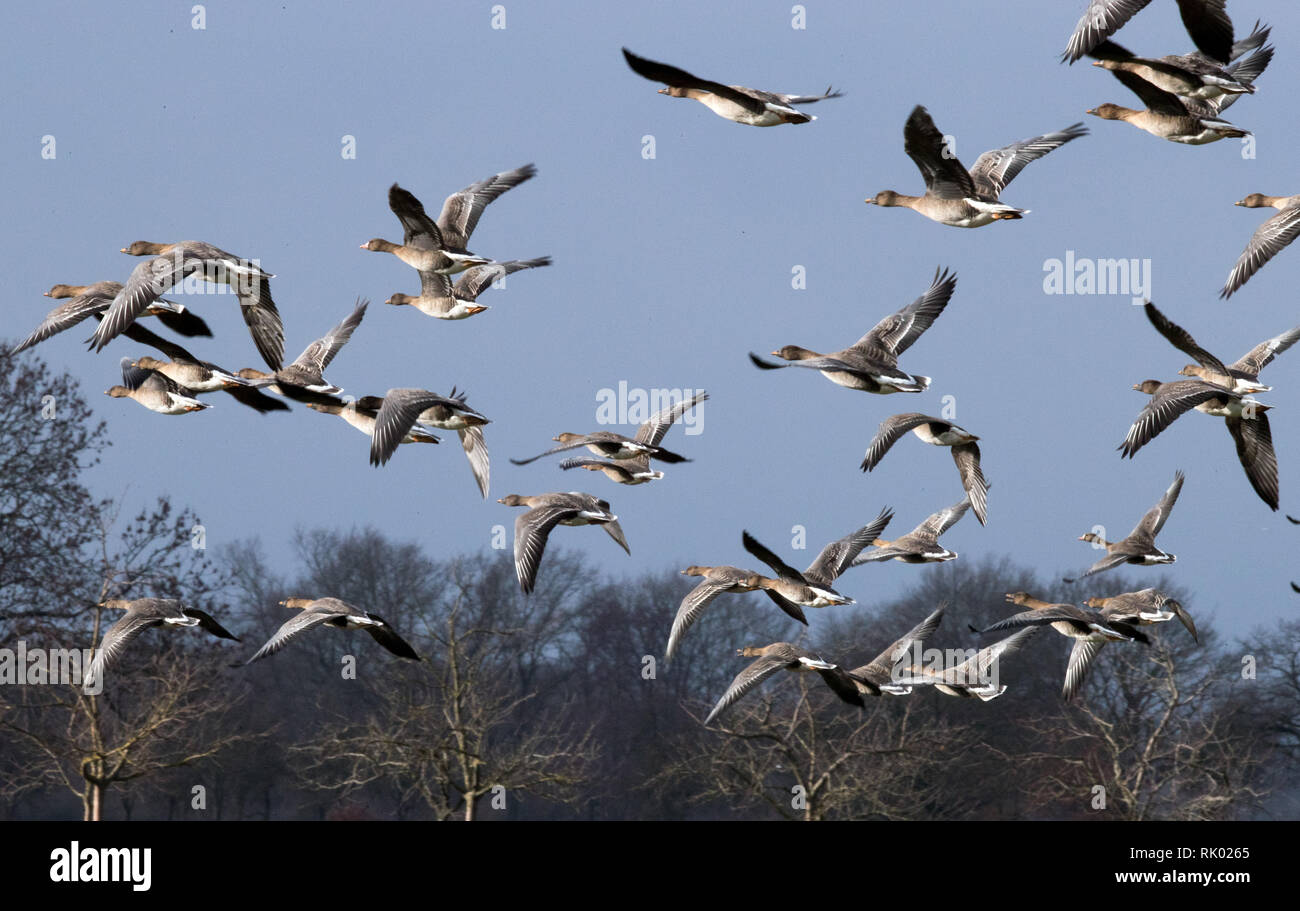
(667, 270)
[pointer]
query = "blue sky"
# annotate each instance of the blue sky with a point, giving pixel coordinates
(667, 270)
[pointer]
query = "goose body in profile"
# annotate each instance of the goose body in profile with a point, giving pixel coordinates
(976, 677)
(1241, 377)
(304, 379)
(878, 676)
(610, 445)
(955, 196)
(154, 391)
(142, 614)
(314, 612)
(936, 432)
(169, 264)
(1150, 605)
(715, 580)
(812, 587)
(403, 411)
(783, 656)
(545, 511)
(871, 363)
(1269, 239)
(1176, 118)
(430, 246)
(1245, 419)
(82, 301)
(751, 107)
(441, 299)
(1091, 629)
(921, 544)
(1139, 548)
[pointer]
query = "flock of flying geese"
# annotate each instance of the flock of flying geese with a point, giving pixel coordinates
(1185, 96)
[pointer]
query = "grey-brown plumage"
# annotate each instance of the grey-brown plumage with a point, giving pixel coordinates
(172, 263)
(403, 409)
(921, 544)
(1245, 418)
(441, 299)
(439, 246)
(937, 432)
(955, 196)
(1176, 118)
(1090, 628)
(82, 301)
(784, 656)
(877, 676)
(1269, 239)
(624, 471)
(1150, 605)
(978, 676)
(1139, 548)
(871, 363)
(304, 379)
(610, 445)
(1242, 376)
(197, 375)
(142, 614)
(715, 580)
(1207, 24)
(812, 587)
(336, 613)
(738, 103)
(544, 513)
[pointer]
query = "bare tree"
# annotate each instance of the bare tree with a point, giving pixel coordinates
(479, 720)
(1155, 732)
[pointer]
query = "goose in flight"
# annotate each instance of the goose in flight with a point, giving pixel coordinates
(1186, 120)
(625, 471)
(199, 376)
(169, 264)
(1245, 418)
(977, 676)
(714, 581)
(751, 107)
(140, 615)
(936, 432)
(441, 299)
(871, 363)
(339, 614)
(812, 587)
(82, 301)
(1275, 233)
(401, 410)
(1242, 377)
(304, 379)
(1139, 548)
(1150, 605)
(439, 246)
(545, 511)
(783, 656)
(610, 445)
(961, 198)
(921, 544)
(878, 676)
(1207, 24)
(154, 391)
(1089, 628)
